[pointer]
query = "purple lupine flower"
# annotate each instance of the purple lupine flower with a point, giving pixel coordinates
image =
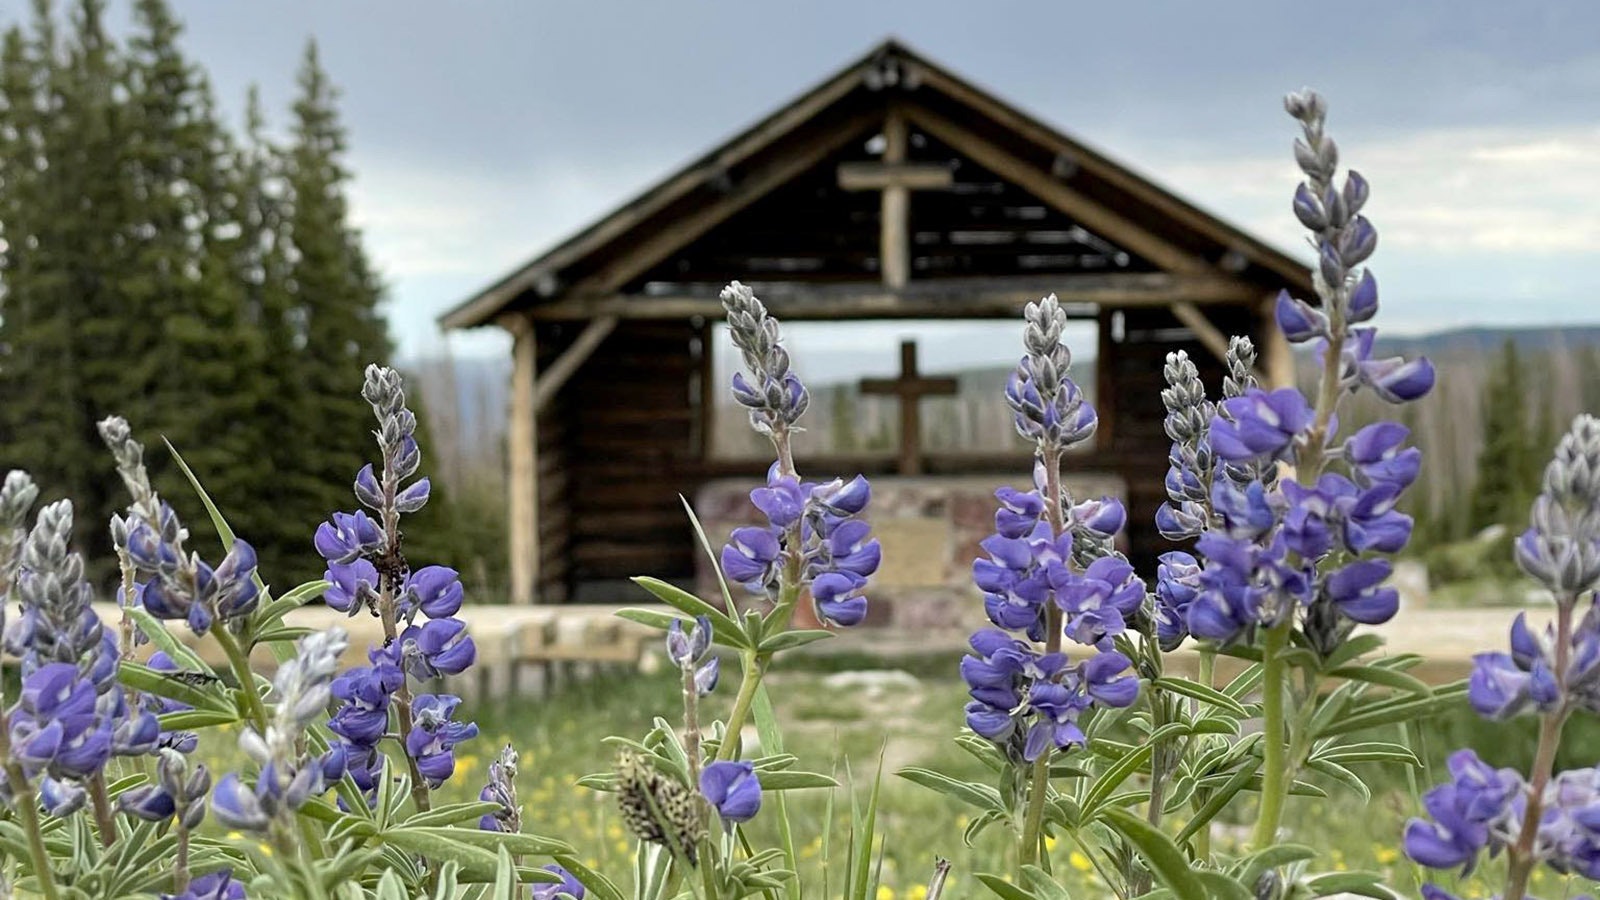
(1394, 379)
(837, 598)
(1019, 512)
(1098, 602)
(1357, 591)
(1259, 424)
(1298, 320)
(1505, 684)
(61, 798)
(751, 558)
(1103, 680)
(237, 805)
(1375, 455)
(348, 537)
(569, 888)
(354, 586)
(1057, 707)
(219, 885)
(774, 394)
(433, 737)
(364, 694)
(1569, 829)
(782, 501)
(1475, 810)
(435, 591)
(431, 650)
(733, 790)
(1177, 584)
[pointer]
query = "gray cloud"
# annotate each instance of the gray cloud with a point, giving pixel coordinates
(481, 131)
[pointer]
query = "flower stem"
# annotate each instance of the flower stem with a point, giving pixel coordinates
(691, 721)
(1520, 857)
(27, 807)
(105, 822)
(180, 866)
(754, 665)
(239, 662)
(1039, 785)
(1275, 775)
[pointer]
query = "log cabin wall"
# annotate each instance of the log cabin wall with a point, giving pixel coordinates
(1135, 344)
(631, 444)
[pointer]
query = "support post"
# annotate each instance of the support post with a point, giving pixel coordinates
(1211, 336)
(523, 449)
(894, 242)
(1276, 354)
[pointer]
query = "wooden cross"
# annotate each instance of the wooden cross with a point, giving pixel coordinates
(896, 178)
(910, 387)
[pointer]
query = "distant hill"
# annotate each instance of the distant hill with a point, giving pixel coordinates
(1485, 340)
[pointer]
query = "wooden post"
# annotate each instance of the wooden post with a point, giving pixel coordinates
(894, 239)
(523, 447)
(1276, 355)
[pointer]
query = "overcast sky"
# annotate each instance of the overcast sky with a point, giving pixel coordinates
(482, 132)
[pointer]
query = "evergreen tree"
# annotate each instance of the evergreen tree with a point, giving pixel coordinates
(198, 371)
(334, 305)
(1502, 490)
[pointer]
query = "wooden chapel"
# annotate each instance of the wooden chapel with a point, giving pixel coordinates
(895, 189)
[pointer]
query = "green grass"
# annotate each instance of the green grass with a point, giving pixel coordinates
(560, 739)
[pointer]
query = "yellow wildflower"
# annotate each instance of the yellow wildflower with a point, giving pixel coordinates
(1080, 862)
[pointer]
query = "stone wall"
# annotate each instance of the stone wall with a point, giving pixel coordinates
(930, 529)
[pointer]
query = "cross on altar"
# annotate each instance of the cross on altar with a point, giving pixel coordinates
(896, 178)
(910, 388)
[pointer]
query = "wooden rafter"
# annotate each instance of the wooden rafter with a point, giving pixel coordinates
(582, 347)
(960, 298)
(799, 156)
(1090, 213)
(1209, 335)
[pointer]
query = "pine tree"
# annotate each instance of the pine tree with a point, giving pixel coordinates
(198, 372)
(1507, 445)
(68, 337)
(334, 304)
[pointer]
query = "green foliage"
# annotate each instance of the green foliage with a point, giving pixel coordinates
(207, 288)
(1512, 453)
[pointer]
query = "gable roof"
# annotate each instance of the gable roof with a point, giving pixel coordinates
(1099, 180)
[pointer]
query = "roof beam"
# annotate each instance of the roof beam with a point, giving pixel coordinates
(1088, 212)
(957, 298)
(582, 347)
(1209, 334)
(659, 243)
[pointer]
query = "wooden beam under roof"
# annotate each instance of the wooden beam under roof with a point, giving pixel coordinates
(1089, 213)
(798, 156)
(941, 299)
(1210, 335)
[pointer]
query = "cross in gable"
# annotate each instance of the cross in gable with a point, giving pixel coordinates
(896, 178)
(910, 388)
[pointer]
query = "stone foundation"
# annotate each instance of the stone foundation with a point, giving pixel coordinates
(930, 529)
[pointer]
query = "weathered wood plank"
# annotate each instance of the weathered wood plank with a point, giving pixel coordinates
(944, 298)
(523, 447)
(569, 362)
(1097, 218)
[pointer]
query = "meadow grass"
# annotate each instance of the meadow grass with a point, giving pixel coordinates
(846, 730)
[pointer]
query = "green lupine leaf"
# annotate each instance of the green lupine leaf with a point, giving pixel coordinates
(1220, 798)
(787, 640)
(1196, 691)
(1367, 884)
(597, 884)
(981, 796)
(726, 630)
(1372, 751)
(166, 641)
(143, 678)
(1251, 867)
(1344, 776)
(1352, 649)
(452, 814)
(1003, 888)
(1383, 676)
(1042, 884)
(1119, 771)
(294, 598)
(795, 781)
(1166, 861)
(519, 844)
